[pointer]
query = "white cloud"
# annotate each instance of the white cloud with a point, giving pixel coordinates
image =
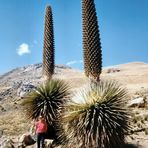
(23, 49)
(74, 62)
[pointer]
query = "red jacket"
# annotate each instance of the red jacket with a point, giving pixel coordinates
(41, 127)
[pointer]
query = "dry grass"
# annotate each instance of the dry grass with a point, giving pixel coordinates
(14, 123)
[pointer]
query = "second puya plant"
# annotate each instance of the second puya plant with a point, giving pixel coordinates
(96, 116)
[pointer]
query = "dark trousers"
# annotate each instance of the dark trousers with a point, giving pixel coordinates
(40, 140)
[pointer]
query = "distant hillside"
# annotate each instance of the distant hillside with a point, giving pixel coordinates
(133, 75)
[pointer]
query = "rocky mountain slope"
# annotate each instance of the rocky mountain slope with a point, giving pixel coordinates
(18, 82)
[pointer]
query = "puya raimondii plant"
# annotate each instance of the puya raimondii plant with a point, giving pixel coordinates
(46, 100)
(95, 117)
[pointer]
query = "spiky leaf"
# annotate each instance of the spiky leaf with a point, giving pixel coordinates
(97, 117)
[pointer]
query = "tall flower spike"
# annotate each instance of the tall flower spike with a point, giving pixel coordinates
(91, 41)
(48, 49)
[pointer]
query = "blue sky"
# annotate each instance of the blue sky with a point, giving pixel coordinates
(123, 28)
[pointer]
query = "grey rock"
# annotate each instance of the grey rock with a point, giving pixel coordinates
(137, 102)
(25, 89)
(2, 109)
(26, 140)
(5, 93)
(113, 70)
(48, 143)
(8, 143)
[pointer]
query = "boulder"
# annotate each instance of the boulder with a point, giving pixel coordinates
(113, 70)
(8, 143)
(48, 143)
(25, 89)
(137, 102)
(26, 140)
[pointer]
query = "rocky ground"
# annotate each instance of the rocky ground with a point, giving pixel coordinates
(18, 82)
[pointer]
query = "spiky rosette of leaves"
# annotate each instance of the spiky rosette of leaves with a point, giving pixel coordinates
(48, 48)
(91, 41)
(46, 100)
(96, 117)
